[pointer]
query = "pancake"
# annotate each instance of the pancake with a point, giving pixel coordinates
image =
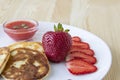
(30, 45)
(4, 56)
(27, 62)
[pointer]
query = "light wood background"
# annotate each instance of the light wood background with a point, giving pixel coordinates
(101, 17)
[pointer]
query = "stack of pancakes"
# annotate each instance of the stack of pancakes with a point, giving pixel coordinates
(25, 61)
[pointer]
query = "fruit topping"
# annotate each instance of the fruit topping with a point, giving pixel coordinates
(81, 44)
(86, 51)
(80, 59)
(76, 38)
(57, 43)
(78, 66)
(82, 56)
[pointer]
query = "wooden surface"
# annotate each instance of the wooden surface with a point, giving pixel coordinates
(101, 17)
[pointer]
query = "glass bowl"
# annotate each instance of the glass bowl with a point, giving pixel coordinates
(20, 29)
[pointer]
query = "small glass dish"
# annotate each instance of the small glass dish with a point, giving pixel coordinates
(20, 29)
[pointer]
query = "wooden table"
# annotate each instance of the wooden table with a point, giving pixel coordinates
(102, 17)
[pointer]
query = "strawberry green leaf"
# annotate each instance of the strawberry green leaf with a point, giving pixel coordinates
(55, 28)
(67, 30)
(59, 27)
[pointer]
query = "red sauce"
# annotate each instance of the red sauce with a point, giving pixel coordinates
(20, 30)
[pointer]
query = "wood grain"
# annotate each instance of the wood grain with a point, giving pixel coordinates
(101, 17)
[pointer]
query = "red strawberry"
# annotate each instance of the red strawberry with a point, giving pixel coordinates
(81, 44)
(57, 44)
(78, 66)
(76, 38)
(82, 56)
(86, 51)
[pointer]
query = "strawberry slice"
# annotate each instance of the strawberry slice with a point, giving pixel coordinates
(76, 38)
(81, 44)
(79, 49)
(82, 56)
(78, 66)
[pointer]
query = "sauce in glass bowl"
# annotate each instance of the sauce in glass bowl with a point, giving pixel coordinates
(21, 29)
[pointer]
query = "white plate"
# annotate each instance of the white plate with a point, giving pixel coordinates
(59, 71)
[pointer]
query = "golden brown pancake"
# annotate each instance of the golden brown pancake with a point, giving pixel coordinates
(4, 56)
(31, 45)
(27, 62)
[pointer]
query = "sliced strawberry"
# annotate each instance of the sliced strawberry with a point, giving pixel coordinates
(81, 44)
(76, 38)
(82, 56)
(86, 51)
(78, 66)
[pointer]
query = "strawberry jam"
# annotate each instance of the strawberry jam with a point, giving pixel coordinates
(20, 29)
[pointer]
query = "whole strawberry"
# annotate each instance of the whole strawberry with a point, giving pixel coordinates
(57, 43)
